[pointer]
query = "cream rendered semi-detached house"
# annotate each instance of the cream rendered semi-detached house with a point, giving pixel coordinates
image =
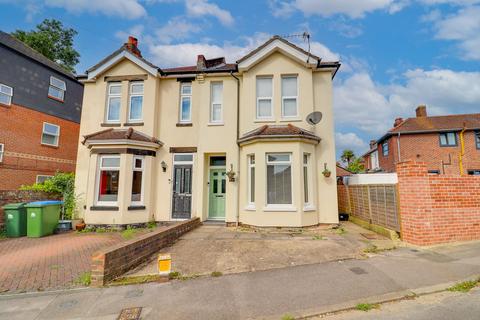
(219, 141)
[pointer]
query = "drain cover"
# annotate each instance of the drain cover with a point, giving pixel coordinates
(130, 314)
(358, 270)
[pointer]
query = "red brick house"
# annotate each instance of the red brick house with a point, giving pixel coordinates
(40, 106)
(437, 141)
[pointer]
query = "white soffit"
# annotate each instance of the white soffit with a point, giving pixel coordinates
(124, 54)
(274, 46)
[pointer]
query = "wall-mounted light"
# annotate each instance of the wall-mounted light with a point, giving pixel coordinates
(164, 166)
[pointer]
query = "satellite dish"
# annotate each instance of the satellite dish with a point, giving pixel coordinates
(314, 117)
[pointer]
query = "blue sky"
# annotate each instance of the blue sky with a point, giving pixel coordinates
(396, 54)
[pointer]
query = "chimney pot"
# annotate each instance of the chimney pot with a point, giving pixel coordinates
(133, 41)
(201, 62)
(421, 111)
(398, 121)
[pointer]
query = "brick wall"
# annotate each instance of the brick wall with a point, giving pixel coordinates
(437, 208)
(13, 196)
(112, 262)
(24, 156)
(426, 148)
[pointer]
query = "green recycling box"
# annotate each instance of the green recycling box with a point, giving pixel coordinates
(16, 219)
(42, 217)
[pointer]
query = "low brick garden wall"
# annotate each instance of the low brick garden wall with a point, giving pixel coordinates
(112, 262)
(13, 196)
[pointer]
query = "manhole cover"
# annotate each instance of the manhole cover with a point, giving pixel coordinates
(130, 314)
(358, 270)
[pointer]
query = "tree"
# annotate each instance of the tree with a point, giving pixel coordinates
(53, 41)
(347, 156)
(356, 166)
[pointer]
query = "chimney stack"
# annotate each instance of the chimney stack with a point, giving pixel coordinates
(398, 121)
(421, 111)
(201, 62)
(132, 46)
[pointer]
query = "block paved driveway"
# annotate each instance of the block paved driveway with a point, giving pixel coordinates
(53, 262)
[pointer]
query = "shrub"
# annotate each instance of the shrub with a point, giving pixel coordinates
(60, 184)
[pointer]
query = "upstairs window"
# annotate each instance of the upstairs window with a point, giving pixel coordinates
(114, 99)
(216, 109)
(477, 139)
(6, 94)
(185, 102)
(136, 102)
(57, 89)
(264, 98)
(448, 139)
(2, 150)
(289, 96)
(50, 134)
(385, 149)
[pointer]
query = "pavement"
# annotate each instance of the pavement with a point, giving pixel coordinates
(439, 306)
(53, 262)
(304, 290)
(213, 247)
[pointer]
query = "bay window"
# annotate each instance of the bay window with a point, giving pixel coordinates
(264, 97)
(137, 180)
(114, 99)
(108, 178)
(136, 102)
(306, 179)
(279, 179)
(289, 96)
(251, 179)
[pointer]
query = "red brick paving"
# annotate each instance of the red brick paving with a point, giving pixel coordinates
(53, 262)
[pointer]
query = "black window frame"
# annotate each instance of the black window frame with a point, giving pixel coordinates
(385, 154)
(473, 172)
(446, 138)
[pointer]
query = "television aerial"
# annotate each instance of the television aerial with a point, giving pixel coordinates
(314, 118)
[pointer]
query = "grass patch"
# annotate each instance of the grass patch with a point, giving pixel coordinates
(366, 306)
(374, 249)
(84, 279)
(3, 233)
(341, 231)
(151, 225)
(175, 275)
(288, 317)
(216, 274)
(129, 233)
(318, 237)
(137, 279)
(465, 286)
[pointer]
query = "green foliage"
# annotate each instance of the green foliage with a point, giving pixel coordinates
(347, 156)
(60, 184)
(174, 275)
(216, 274)
(288, 317)
(129, 233)
(151, 225)
(54, 41)
(84, 279)
(366, 306)
(3, 233)
(464, 286)
(356, 166)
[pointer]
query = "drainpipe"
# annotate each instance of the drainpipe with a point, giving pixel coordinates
(238, 153)
(462, 150)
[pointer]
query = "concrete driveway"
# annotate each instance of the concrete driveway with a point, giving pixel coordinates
(213, 247)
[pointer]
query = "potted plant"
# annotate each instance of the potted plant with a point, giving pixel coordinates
(326, 173)
(231, 174)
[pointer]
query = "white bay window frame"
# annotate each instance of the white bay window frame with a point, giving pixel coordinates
(141, 169)
(251, 182)
(100, 168)
(270, 162)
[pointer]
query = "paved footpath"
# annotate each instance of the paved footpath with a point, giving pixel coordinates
(301, 290)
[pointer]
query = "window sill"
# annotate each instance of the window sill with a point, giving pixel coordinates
(279, 208)
(103, 208)
(293, 119)
(250, 207)
(213, 124)
(56, 99)
(110, 124)
(309, 208)
(133, 124)
(264, 120)
(184, 124)
(136, 207)
(49, 146)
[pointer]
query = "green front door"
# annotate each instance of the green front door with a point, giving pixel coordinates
(218, 184)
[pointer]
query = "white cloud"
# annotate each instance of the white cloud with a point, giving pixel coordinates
(130, 9)
(463, 27)
(200, 8)
(371, 108)
(350, 141)
(177, 28)
(351, 8)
